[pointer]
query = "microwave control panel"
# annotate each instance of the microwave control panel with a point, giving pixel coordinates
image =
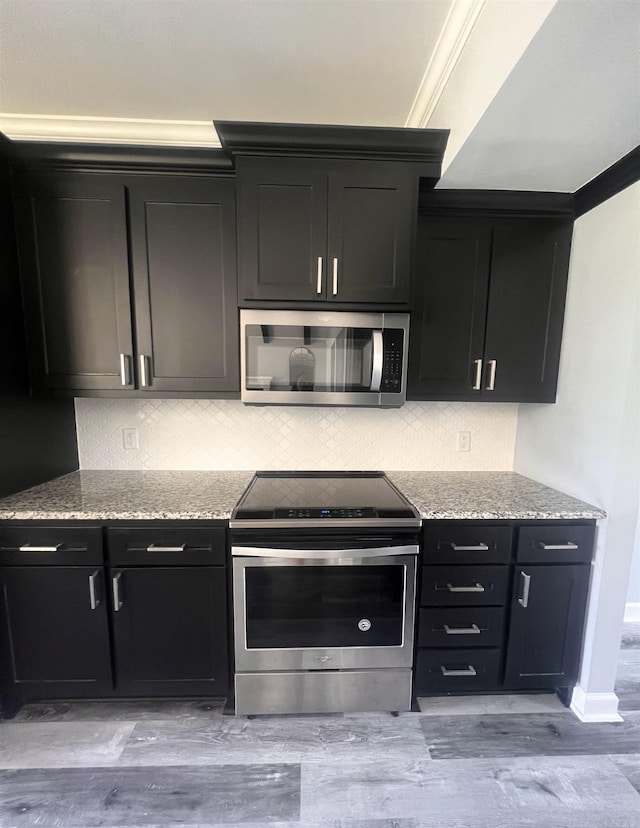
(393, 340)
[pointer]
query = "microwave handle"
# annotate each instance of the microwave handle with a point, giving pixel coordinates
(376, 368)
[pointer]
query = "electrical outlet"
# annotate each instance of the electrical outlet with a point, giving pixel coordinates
(464, 441)
(130, 439)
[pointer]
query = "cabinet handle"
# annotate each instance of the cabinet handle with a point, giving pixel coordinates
(567, 545)
(29, 548)
(526, 586)
(476, 588)
(319, 284)
(115, 586)
(144, 380)
(470, 671)
(335, 277)
(477, 384)
(94, 601)
(480, 547)
(124, 369)
(154, 548)
(474, 629)
(493, 363)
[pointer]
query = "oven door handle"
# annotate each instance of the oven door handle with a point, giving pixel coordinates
(322, 554)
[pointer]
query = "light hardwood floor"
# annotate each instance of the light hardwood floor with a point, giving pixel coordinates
(485, 762)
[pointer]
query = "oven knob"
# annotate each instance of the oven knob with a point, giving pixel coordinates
(364, 624)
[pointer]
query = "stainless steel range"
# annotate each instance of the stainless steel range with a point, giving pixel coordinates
(324, 573)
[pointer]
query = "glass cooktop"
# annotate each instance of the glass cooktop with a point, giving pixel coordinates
(322, 496)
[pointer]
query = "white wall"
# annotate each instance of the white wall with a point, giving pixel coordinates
(224, 434)
(588, 444)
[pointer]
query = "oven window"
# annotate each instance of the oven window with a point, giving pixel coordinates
(324, 606)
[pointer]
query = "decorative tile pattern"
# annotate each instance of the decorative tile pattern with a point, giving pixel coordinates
(225, 434)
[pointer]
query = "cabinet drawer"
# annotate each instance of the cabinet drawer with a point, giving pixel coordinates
(555, 544)
(474, 544)
(452, 671)
(50, 546)
(166, 546)
(461, 627)
(464, 585)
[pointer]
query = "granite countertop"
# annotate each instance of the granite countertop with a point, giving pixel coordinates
(211, 495)
(476, 495)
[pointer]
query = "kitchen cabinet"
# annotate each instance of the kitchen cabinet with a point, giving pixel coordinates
(488, 305)
(325, 231)
(98, 250)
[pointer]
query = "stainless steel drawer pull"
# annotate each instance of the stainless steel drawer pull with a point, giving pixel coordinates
(474, 629)
(492, 374)
(335, 277)
(155, 548)
(567, 545)
(94, 601)
(470, 671)
(29, 548)
(319, 285)
(124, 369)
(476, 588)
(478, 382)
(115, 586)
(526, 586)
(144, 379)
(480, 547)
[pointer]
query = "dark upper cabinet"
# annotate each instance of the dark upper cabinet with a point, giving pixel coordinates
(80, 232)
(72, 230)
(488, 301)
(184, 274)
(547, 620)
(329, 231)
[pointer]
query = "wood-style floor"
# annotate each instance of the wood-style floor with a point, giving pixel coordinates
(484, 762)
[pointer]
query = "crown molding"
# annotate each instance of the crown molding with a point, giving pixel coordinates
(130, 131)
(453, 38)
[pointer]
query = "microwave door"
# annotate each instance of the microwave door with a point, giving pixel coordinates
(376, 362)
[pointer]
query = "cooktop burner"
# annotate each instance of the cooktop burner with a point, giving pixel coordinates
(313, 499)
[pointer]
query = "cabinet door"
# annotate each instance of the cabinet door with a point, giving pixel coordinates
(371, 217)
(547, 619)
(282, 229)
(74, 260)
(184, 268)
(170, 630)
(55, 625)
(449, 308)
(529, 269)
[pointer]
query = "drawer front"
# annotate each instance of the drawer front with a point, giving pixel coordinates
(453, 671)
(457, 543)
(555, 544)
(465, 586)
(166, 546)
(50, 546)
(461, 627)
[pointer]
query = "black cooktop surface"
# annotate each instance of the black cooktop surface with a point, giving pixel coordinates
(322, 496)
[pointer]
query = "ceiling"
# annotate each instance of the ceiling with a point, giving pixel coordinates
(538, 94)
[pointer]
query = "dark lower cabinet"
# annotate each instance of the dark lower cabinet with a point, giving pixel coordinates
(55, 631)
(169, 626)
(547, 620)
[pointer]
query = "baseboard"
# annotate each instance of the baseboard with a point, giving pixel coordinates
(631, 613)
(595, 707)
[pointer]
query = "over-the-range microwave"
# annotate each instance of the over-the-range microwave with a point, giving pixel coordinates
(322, 357)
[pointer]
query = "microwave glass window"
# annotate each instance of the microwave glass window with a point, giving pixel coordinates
(308, 358)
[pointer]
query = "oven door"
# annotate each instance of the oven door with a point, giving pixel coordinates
(323, 609)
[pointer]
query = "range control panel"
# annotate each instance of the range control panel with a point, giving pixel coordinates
(328, 513)
(392, 361)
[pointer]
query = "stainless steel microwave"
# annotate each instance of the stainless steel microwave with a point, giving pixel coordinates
(323, 358)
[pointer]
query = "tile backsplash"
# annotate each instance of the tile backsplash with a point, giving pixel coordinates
(225, 434)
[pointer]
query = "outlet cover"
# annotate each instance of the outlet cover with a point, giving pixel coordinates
(464, 441)
(130, 439)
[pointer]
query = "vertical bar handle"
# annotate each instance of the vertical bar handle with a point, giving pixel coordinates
(478, 381)
(94, 601)
(376, 366)
(319, 284)
(144, 379)
(335, 277)
(124, 369)
(115, 586)
(493, 363)
(526, 586)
